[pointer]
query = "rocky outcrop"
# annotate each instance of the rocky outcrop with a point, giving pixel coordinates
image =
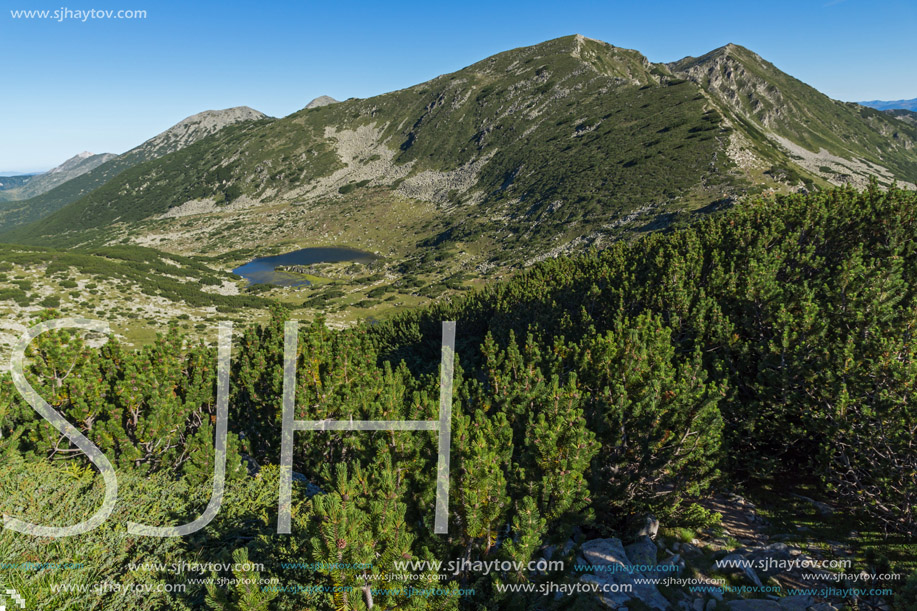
(612, 567)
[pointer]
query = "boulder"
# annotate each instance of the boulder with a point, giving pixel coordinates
(772, 560)
(663, 570)
(690, 550)
(737, 561)
(796, 603)
(650, 527)
(823, 509)
(549, 551)
(612, 566)
(642, 551)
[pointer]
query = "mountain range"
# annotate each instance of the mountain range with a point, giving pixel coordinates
(33, 185)
(524, 155)
(893, 105)
(46, 193)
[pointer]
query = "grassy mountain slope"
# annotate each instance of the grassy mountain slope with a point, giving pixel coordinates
(537, 146)
(185, 133)
(908, 116)
(526, 154)
(777, 109)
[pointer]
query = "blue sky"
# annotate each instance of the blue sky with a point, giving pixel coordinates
(107, 85)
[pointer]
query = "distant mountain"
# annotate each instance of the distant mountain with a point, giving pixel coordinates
(7, 174)
(82, 174)
(322, 100)
(896, 104)
(70, 169)
(9, 182)
(530, 153)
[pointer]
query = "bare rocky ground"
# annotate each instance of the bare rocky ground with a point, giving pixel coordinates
(837, 170)
(135, 317)
(742, 565)
(342, 293)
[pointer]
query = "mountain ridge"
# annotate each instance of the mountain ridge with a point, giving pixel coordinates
(31, 185)
(189, 130)
(448, 140)
(526, 154)
(838, 141)
(891, 105)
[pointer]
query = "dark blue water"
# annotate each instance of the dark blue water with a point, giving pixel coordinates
(261, 270)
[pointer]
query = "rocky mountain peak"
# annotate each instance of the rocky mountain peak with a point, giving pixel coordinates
(322, 100)
(78, 160)
(194, 128)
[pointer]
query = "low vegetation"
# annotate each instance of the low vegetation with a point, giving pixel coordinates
(768, 346)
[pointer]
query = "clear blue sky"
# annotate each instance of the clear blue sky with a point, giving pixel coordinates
(107, 85)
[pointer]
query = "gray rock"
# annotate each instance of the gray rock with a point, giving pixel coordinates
(609, 599)
(774, 558)
(663, 568)
(711, 605)
(823, 509)
(642, 551)
(746, 570)
(311, 489)
(690, 550)
(781, 537)
(568, 547)
(650, 527)
(795, 603)
(251, 465)
(614, 568)
(698, 604)
(777, 547)
(548, 552)
(604, 552)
